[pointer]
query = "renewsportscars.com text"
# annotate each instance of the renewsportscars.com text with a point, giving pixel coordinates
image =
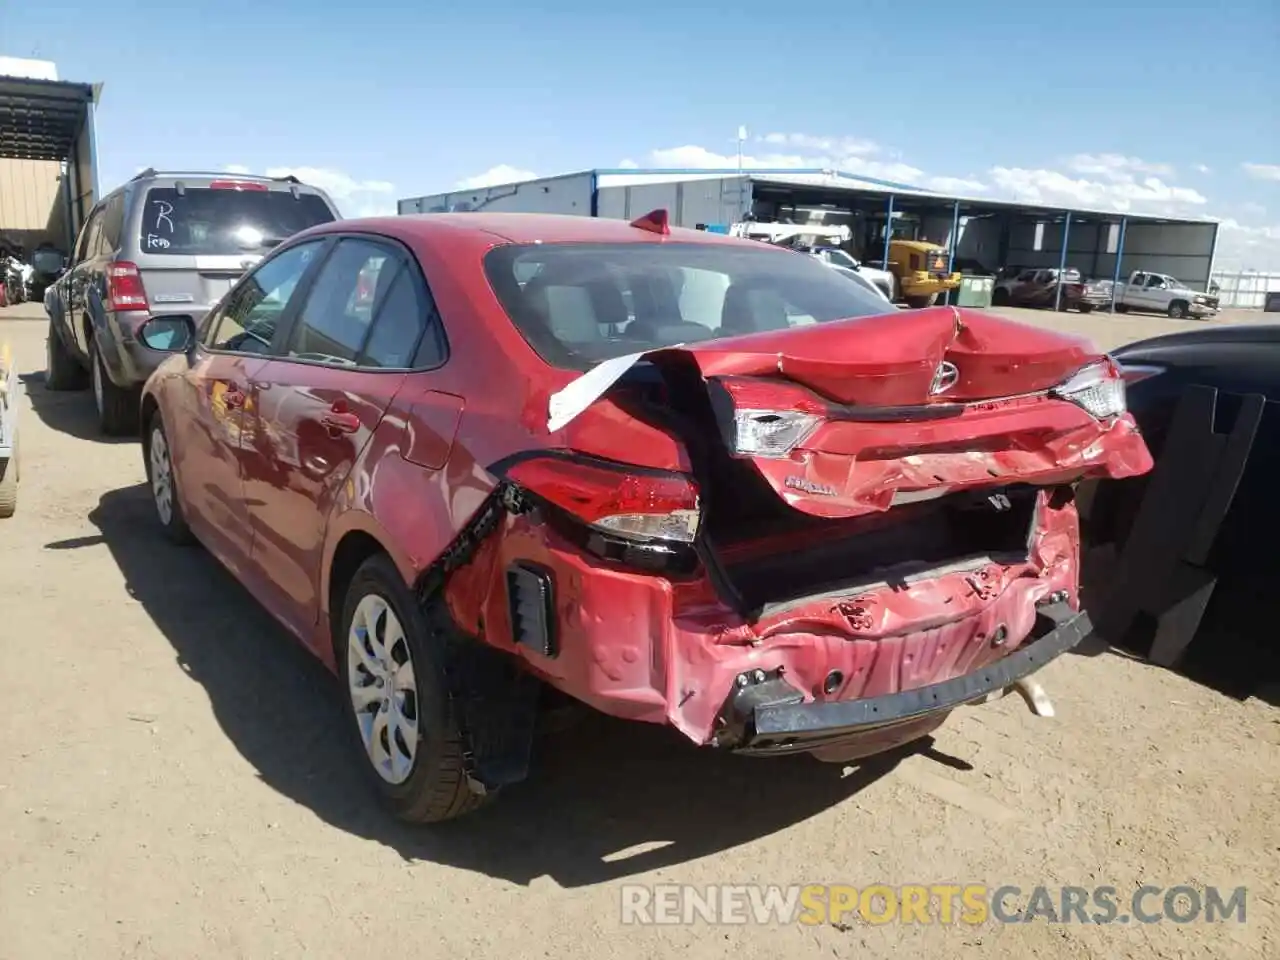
(970, 904)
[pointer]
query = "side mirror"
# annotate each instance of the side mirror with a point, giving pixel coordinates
(173, 333)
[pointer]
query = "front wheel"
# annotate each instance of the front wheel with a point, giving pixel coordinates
(164, 488)
(390, 660)
(1086, 308)
(919, 303)
(1177, 310)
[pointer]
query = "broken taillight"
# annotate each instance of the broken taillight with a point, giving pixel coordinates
(1098, 389)
(770, 419)
(633, 503)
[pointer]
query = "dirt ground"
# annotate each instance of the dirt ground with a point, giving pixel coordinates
(174, 781)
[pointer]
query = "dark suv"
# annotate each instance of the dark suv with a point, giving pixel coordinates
(162, 243)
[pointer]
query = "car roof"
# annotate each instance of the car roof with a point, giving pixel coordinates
(525, 228)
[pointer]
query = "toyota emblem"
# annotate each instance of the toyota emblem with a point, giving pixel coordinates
(944, 378)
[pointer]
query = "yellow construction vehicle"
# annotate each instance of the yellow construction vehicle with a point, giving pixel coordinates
(921, 269)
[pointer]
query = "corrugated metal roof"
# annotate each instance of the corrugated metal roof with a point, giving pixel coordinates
(40, 119)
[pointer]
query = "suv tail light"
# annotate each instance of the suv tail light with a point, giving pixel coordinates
(632, 503)
(237, 185)
(124, 287)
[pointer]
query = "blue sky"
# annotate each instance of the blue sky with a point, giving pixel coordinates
(382, 100)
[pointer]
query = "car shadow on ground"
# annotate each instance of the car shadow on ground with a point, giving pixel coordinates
(599, 789)
(71, 412)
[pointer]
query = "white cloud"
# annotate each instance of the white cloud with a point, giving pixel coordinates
(1202, 168)
(828, 146)
(1124, 195)
(1262, 171)
(958, 185)
(1115, 167)
(494, 176)
(354, 198)
(701, 158)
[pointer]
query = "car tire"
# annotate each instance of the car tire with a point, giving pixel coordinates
(1085, 308)
(163, 483)
(425, 782)
(1177, 310)
(61, 371)
(1122, 308)
(117, 407)
(1000, 298)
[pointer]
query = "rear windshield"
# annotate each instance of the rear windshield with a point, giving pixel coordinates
(206, 222)
(578, 303)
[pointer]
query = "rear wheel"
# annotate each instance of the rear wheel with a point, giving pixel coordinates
(917, 303)
(1086, 308)
(117, 407)
(390, 660)
(1122, 308)
(1000, 298)
(61, 371)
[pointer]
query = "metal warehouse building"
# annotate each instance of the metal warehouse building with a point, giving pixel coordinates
(981, 235)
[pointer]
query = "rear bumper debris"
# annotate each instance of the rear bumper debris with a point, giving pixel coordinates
(772, 717)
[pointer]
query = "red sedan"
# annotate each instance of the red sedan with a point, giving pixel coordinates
(682, 478)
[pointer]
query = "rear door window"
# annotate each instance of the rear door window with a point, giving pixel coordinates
(202, 221)
(367, 308)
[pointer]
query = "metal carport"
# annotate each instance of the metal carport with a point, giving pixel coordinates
(46, 122)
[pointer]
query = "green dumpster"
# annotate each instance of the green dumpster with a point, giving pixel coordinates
(975, 291)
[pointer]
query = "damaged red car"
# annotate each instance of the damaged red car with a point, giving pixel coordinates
(681, 478)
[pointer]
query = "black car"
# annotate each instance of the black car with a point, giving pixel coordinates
(1233, 646)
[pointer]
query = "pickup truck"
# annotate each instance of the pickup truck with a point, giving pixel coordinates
(1161, 293)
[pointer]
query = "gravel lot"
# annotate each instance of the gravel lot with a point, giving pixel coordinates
(174, 781)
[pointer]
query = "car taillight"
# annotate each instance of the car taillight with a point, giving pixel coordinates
(769, 418)
(124, 287)
(628, 502)
(1098, 389)
(237, 185)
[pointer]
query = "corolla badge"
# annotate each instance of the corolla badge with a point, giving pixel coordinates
(809, 486)
(944, 378)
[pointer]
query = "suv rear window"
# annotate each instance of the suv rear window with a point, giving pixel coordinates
(580, 303)
(205, 222)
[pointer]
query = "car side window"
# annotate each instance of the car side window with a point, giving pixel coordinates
(247, 322)
(335, 319)
(402, 316)
(108, 240)
(88, 236)
(367, 308)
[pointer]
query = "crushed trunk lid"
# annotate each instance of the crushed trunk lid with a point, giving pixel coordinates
(854, 416)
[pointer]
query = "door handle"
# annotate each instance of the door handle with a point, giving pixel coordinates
(340, 421)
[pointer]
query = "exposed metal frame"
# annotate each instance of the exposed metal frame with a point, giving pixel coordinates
(952, 244)
(1115, 280)
(1062, 261)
